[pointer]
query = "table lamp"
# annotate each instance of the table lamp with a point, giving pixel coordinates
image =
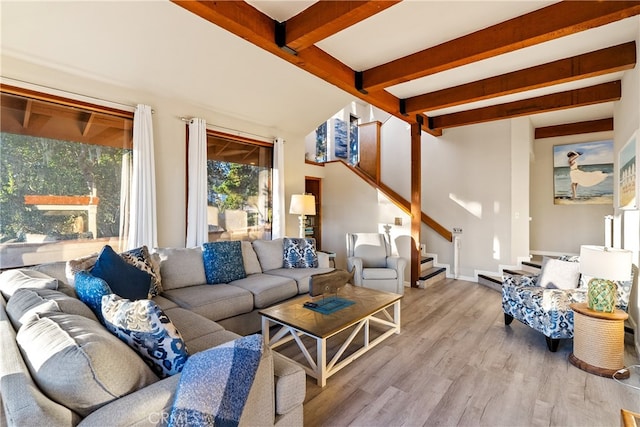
(302, 205)
(604, 265)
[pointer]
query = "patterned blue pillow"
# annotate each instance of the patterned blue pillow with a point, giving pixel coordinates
(300, 253)
(90, 290)
(145, 328)
(223, 261)
(123, 278)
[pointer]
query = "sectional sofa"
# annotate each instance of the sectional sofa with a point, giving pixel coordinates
(60, 366)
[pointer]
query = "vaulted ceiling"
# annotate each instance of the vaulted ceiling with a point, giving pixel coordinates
(442, 60)
(449, 64)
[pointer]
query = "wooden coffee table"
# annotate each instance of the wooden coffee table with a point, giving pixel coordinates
(292, 321)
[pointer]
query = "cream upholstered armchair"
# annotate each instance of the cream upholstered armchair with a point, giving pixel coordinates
(370, 255)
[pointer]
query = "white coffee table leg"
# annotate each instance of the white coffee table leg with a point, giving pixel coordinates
(321, 361)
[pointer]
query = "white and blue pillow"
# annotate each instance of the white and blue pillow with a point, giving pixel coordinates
(223, 262)
(90, 290)
(300, 253)
(147, 329)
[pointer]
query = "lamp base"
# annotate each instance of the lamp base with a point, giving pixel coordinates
(303, 220)
(601, 295)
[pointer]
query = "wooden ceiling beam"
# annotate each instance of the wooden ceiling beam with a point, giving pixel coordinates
(609, 60)
(590, 126)
(606, 92)
(245, 21)
(549, 23)
(325, 18)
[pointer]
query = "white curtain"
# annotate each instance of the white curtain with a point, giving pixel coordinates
(278, 223)
(197, 228)
(125, 200)
(143, 219)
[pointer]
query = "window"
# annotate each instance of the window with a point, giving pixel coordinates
(61, 168)
(239, 187)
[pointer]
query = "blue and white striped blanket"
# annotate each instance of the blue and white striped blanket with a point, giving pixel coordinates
(215, 384)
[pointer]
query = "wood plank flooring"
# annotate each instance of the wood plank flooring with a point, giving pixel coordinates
(456, 363)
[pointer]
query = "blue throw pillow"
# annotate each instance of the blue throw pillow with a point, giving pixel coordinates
(300, 253)
(142, 260)
(123, 279)
(147, 329)
(223, 261)
(90, 290)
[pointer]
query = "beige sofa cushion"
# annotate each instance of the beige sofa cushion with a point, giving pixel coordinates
(267, 290)
(270, 253)
(181, 267)
(250, 259)
(215, 302)
(288, 378)
(78, 363)
(12, 280)
(302, 276)
(27, 303)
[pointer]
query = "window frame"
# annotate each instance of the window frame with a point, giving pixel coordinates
(62, 250)
(236, 138)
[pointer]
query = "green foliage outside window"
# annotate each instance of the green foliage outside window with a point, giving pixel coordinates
(42, 166)
(236, 186)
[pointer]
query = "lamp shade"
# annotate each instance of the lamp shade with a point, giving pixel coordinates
(303, 204)
(605, 263)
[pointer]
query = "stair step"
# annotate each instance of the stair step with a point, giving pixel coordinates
(531, 267)
(492, 282)
(426, 263)
(431, 276)
(516, 272)
(532, 264)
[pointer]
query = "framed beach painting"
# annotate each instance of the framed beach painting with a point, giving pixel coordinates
(627, 175)
(583, 173)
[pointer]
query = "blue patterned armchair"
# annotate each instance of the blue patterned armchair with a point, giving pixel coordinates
(546, 309)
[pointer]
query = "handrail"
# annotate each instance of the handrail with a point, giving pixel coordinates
(399, 201)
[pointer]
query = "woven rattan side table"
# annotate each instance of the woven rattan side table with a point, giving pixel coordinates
(598, 341)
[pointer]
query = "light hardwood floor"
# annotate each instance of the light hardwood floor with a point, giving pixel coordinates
(456, 363)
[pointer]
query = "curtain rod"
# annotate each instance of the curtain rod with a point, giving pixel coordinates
(237, 132)
(68, 94)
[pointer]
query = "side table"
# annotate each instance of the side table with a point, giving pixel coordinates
(598, 341)
(332, 257)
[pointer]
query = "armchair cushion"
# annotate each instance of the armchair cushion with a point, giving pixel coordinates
(371, 248)
(378, 273)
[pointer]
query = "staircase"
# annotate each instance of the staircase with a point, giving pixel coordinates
(495, 283)
(429, 274)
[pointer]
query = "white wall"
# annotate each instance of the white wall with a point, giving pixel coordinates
(561, 229)
(627, 223)
(466, 184)
(522, 133)
(349, 204)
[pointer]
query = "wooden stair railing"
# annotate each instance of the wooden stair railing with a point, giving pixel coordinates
(399, 201)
